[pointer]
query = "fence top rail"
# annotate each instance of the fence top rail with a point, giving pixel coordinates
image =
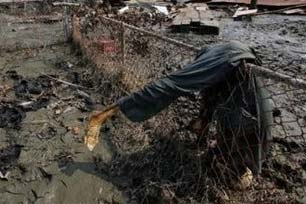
(261, 71)
(156, 35)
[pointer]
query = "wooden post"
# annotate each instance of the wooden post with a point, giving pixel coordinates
(25, 8)
(253, 4)
(67, 22)
(123, 43)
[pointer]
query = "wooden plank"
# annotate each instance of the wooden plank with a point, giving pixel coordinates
(244, 12)
(189, 14)
(294, 11)
(196, 18)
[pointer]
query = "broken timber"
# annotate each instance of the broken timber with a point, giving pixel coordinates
(295, 11)
(243, 12)
(196, 18)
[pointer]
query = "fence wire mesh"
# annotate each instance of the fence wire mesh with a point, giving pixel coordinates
(163, 160)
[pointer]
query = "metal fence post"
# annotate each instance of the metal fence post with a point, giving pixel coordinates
(123, 43)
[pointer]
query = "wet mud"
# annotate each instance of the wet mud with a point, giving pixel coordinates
(42, 155)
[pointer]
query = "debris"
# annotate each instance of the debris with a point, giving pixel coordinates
(83, 94)
(295, 11)
(162, 9)
(64, 159)
(222, 195)
(107, 45)
(4, 89)
(46, 132)
(69, 65)
(45, 174)
(26, 103)
(33, 86)
(61, 64)
(68, 109)
(8, 157)
(123, 10)
(74, 130)
(245, 180)
(36, 92)
(10, 116)
(5, 176)
(58, 111)
(281, 11)
(243, 11)
(89, 102)
(26, 87)
(167, 195)
(13, 75)
(197, 18)
(144, 7)
(64, 82)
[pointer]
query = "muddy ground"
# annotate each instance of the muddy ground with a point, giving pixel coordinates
(43, 158)
(42, 151)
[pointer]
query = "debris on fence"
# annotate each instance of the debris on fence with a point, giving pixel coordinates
(197, 18)
(106, 45)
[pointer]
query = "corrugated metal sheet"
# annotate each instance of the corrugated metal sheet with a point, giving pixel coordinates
(264, 2)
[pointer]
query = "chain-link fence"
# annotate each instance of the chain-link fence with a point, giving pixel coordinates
(165, 159)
